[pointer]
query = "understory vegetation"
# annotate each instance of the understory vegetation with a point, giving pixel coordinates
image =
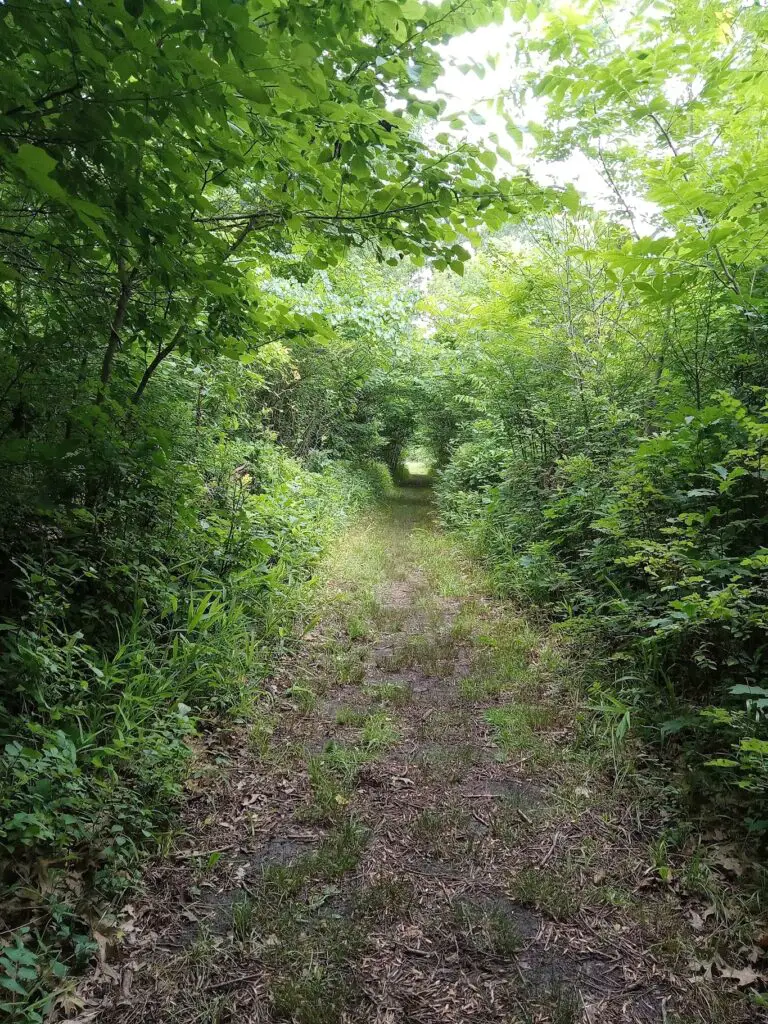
(599, 414)
(251, 263)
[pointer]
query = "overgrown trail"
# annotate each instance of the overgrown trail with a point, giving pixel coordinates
(406, 831)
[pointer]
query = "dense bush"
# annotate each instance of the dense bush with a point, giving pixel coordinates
(600, 401)
(638, 520)
(118, 636)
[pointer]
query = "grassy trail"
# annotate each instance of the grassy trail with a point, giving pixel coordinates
(405, 829)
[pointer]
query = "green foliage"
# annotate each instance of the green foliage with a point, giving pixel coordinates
(595, 483)
(599, 404)
(155, 156)
(359, 391)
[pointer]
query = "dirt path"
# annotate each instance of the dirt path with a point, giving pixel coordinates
(404, 829)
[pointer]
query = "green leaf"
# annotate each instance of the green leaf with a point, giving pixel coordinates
(38, 165)
(749, 691)
(514, 133)
(7, 273)
(13, 986)
(571, 199)
(304, 54)
(411, 9)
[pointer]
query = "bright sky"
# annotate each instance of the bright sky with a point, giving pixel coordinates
(465, 92)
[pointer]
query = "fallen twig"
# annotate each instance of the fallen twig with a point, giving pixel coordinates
(550, 851)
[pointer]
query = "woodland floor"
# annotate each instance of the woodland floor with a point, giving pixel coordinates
(408, 828)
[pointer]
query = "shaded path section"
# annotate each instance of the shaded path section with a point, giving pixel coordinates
(403, 829)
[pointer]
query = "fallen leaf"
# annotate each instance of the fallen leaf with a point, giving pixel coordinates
(401, 780)
(126, 982)
(746, 976)
(85, 1017)
(724, 859)
(69, 1002)
(701, 966)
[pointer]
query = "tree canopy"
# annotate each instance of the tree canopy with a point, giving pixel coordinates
(154, 153)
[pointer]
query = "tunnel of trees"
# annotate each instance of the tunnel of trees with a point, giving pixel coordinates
(250, 259)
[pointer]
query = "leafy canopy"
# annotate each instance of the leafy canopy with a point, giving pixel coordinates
(154, 152)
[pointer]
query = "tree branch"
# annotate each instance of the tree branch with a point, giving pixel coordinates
(193, 308)
(114, 342)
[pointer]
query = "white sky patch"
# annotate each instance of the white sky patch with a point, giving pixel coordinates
(465, 92)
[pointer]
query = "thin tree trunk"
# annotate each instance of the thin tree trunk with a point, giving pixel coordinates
(118, 319)
(165, 350)
(194, 306)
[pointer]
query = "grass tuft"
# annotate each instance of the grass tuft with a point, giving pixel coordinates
(396, 694)
(350, 717)
(486, 930)
(379, 732)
